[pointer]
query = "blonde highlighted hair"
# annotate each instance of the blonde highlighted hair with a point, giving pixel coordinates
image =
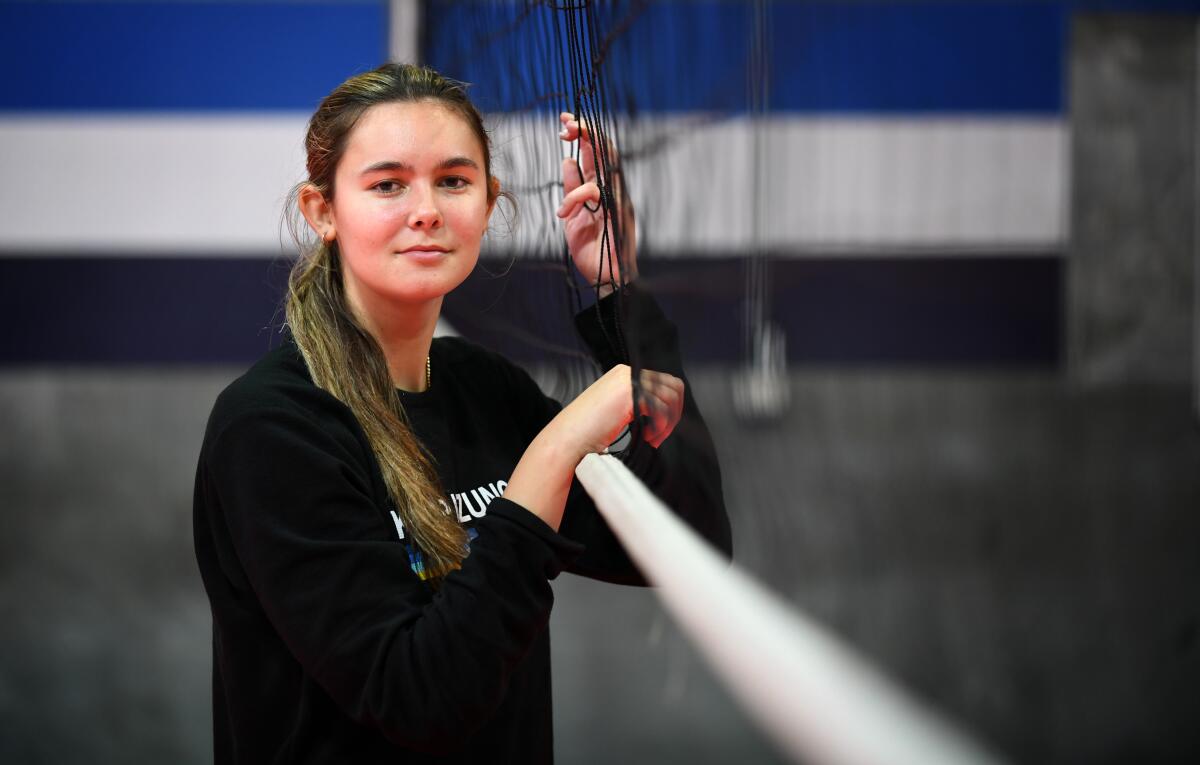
(341, 355)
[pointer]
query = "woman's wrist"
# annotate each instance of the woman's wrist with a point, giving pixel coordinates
(542, 478)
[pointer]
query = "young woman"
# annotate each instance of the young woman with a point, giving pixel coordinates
(378, 513)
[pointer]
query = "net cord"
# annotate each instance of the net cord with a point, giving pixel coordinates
(579, 39)
(808, 691)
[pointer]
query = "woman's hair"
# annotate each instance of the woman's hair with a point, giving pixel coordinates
(341, 355)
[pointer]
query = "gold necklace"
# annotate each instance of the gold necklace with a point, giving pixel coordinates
(428, 373)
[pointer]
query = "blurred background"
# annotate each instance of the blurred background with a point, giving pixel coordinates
(934, 267)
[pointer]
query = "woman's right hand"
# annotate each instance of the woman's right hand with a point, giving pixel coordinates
(591, 422)
(599, 414)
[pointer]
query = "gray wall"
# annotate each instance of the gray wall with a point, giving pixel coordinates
(1019, 550)
(1133, 213)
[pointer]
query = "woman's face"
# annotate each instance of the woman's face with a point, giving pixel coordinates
(410, 204)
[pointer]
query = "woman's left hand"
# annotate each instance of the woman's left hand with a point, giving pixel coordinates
(585, 227)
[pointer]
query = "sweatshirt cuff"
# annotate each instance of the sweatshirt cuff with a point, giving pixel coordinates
(563, 551)
(629, 313)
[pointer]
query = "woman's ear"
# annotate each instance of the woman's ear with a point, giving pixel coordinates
(493, 197)
(317, 211)
(494, 189)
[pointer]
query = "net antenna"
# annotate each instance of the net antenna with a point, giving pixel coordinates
(760, 390)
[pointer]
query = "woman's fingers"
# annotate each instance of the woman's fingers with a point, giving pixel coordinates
(662, 381)
(570, 175)
(577, 172)
(573, 130)
(659, 420)
(577, 175)
(661, 403)
(570, 128)
(587, 155)
(575, 198)
(603, 410)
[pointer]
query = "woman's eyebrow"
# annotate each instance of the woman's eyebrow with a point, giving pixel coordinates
(404, 167)
(458, 162)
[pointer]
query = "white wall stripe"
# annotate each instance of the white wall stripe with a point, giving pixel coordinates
(835, 185)
(819, 701)
(215, 184)
(148, 185)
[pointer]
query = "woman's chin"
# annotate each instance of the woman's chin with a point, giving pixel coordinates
(423, 288)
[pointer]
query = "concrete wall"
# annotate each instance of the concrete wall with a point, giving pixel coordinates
(1133, 214)
(1020, 551)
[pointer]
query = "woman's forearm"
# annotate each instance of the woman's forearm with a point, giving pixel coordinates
(542, 478)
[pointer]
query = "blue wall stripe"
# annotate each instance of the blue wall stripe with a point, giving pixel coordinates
(919, 57)
(827, 56)
(1135, 6)
(143, 56)
(1000, 310)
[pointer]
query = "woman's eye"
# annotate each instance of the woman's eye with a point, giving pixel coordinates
(455, 182)
(387, 187)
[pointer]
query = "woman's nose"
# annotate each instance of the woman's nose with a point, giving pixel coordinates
(425, 213)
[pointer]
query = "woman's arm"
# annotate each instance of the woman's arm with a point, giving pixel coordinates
(683, 471)
(542, 478)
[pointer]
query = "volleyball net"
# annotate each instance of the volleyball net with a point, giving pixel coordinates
(726, 153)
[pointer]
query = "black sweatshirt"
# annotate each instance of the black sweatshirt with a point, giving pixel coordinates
(328, 647)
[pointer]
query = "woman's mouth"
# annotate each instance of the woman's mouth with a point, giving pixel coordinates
(425, 252)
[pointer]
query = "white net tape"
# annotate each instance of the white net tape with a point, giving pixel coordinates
(808, 691)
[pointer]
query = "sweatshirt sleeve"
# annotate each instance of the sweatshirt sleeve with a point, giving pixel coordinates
(323, 561)
(683, 471)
